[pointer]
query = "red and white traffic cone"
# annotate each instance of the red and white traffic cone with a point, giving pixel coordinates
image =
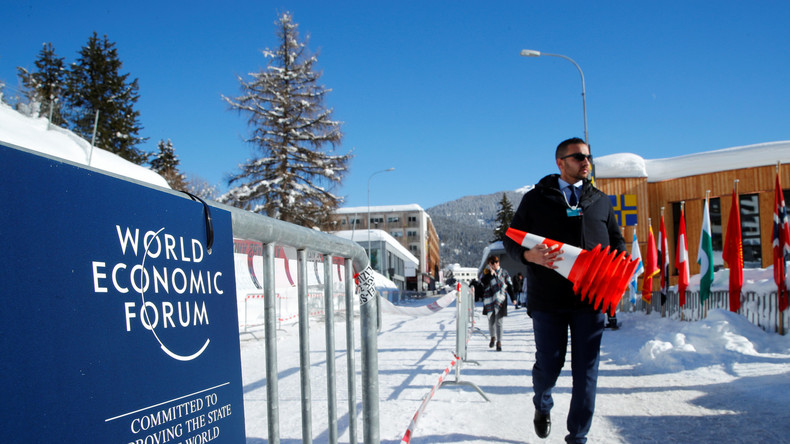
(599, 276)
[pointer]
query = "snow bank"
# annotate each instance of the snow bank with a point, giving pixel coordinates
(35, 134)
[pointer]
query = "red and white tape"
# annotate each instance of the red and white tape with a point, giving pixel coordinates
(407, 436)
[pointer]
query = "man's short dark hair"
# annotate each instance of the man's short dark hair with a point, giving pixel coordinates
(562, 148)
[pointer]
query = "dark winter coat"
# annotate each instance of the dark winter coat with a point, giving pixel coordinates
(544, 211)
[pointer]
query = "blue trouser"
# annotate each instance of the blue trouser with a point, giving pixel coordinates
(551, 342)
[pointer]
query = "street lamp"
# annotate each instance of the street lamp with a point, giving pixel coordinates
(368, 224)
(533, 53)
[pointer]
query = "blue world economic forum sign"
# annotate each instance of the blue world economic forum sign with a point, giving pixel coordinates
(119, 323)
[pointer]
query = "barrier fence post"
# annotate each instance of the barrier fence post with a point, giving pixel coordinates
(304, 347)
(350, 350)
(368, 309)
(461, 331)
(270, 329)
(331, 383)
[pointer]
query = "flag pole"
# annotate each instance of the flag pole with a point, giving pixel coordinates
(781, 316)
(649, 308)
(682, 317)
(705, 306)
(664, 269)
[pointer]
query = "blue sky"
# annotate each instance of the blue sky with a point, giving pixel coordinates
(437, 89)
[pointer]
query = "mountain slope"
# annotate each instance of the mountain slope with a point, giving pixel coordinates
(466, 226)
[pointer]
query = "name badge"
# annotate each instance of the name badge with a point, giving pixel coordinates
(573, 212)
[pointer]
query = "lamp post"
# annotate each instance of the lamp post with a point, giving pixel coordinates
(533, 53)
(368, 224)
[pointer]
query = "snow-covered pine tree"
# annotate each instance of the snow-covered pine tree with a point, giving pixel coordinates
(293, 133)
(503, 218)
(45, 85)
(165, 163)
(94, 83)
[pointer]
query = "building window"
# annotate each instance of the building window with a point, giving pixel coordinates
(397, 234)
(376, 220)
(412, 233)
(750, 230)
(393, 219)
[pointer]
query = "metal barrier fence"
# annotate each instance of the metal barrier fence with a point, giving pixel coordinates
(464, 317)
(761, 309)
(271, 232)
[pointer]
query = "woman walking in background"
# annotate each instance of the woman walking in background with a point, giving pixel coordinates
(498, 288)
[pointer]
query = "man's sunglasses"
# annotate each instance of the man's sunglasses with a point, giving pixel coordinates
(579, 157)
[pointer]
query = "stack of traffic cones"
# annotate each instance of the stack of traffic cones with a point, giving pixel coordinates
(599, 276)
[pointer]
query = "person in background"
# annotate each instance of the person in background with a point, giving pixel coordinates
(478, 289)
(567, 208)
(497, 288)
(521, 290)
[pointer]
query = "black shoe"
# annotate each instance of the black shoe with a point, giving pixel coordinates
(498, 346)
(542, 424)
(493, 341)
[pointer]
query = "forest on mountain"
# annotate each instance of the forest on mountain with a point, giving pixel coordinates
(466, 226)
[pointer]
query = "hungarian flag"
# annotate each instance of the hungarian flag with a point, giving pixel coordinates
(705, 255)
(781, 244)
(663, 260)
(682, 260)
(733, 253)
(651, 267)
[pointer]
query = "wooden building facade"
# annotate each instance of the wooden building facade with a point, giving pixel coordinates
(755, 189)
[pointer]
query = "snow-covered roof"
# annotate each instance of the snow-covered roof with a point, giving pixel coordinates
(361, 236)
(379, 209)
(34, 134)
(657, 170)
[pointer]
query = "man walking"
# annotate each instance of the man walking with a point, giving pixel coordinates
(565, 207)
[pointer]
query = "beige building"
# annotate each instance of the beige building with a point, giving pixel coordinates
(410, 225)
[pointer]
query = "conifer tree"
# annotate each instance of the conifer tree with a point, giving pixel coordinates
(200, 187)
(165, 163)
(94, 83)
(45, 85)
(503, 218)
(293, 134)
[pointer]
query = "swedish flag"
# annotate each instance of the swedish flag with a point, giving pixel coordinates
(624, 209)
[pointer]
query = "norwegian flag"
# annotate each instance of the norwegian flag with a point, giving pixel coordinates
(781, 244)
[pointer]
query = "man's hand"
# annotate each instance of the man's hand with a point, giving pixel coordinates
(544, 255)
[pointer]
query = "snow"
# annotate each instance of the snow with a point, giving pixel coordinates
(361, 236)
(661, 380)
(32, 134)
(657, 170)
(379, 209)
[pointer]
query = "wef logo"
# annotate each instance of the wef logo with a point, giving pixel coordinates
(165, 285)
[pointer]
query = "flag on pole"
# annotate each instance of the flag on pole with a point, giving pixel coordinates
(651, 267)
(682, 260)
(705, 255)
(733, 252)
(781, 244)
(635, 254)
(663, 260)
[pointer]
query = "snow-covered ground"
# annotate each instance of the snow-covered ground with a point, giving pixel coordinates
(720, 380)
